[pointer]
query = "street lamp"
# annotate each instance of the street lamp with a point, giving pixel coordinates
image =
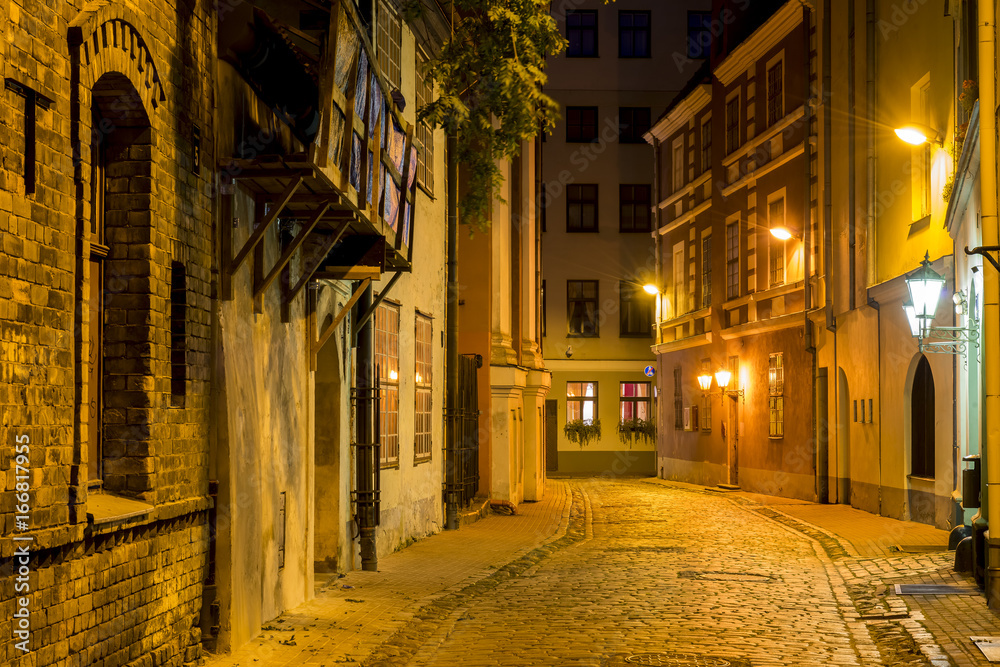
(705, 382)
(650, 289)
(925, 286)
(917, 134)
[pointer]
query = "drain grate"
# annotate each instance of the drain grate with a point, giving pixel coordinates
(685, 660)
(933, 589)
(739, 577)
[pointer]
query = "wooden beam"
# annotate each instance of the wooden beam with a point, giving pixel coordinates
(316, 261)
(290, 250)
(381, 295)
(340, 316)
(351, 272)
(258, 233)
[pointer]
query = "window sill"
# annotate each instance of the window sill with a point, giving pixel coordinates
(920, 478)
(105, 510)
(426, 459)
(576, 335)
(582, 231)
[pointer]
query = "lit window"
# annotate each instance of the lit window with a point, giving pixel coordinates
(633, 402)
(581, 401)
(732, 260)
(706, 408)
(775, 399)
(423, 414)
(387, 372)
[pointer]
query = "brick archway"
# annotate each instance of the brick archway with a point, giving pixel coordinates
(107, 39)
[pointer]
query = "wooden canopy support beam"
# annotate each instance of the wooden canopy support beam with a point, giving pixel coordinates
(315, 261)
(381, 295)
(328, 331)
(272, 215)
(286, 256)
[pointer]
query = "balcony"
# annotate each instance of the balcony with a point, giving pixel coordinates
(318, 142)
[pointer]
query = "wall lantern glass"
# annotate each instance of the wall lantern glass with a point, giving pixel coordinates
(705, 382)
(722, 377)
(925, 286)
(917, 134)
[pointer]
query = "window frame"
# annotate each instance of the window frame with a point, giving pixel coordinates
(695, 49)
(633, 31)
(733, 283)
(574, 199)
(631, 296)
(386, 348)
(575, 129)
(733, 123)
(582, 29)
(389, 55)
(596, 300)
(627, 196)
(678, 165)
(627, 132)
(777, 262)
(775, 395)
(775, 93)
(706, 146)
(706, 270)
(582, 398)
(423, 135)
(678, 400)
(635, 400)
(423, 389)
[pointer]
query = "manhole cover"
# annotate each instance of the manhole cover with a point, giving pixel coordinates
(741, 577)
(684, 660)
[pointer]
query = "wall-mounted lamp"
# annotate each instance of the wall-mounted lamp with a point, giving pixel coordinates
(925, 286)
(918, 134)
(722, 378)
(782, 232)
(705, 382)
(650, 289)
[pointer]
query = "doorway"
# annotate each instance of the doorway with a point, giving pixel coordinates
(327, 411)
(843, 439)
(551, 435)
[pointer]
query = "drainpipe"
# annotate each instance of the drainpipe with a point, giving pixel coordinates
(831, 324)
(871, 64)
(656, 236)
(367, 461)
(991, 289)
(451, 421)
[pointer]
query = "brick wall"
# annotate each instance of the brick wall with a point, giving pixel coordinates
(128, 591)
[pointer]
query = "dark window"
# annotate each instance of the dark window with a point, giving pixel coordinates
(775, 102)
(581, 307)
(699, 34)
(732, 125)
(706, 271)
(390, 37)
(423, 136)
(633, 122)
(706, 146)
(633, 401)
(581, 124)
(581, 208)
(636, 310)
(633, 34)
(633, 208)
(775, 398)
(678, 400)
(581, 32)
(922, 414)
(178, 328)
(732, 260)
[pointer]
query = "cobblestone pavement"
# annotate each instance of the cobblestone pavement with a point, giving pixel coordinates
(641, 573)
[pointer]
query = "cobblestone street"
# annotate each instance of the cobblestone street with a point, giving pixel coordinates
(646, 573)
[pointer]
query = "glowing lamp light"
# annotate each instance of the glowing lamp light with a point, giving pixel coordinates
(782, 233)
(722, 377)
(925, 286)
(650, 288)
(911, 317)
(911, 135)
(705, 381)
(393, 375)
(418, 378)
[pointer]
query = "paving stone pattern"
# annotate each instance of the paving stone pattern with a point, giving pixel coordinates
(627, 572)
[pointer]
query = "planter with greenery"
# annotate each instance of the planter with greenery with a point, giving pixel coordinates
(582, 432)
(633, 430)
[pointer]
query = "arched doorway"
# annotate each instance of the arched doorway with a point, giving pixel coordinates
(328, 450)
(843, 439)
(922, 421)
(120, 285)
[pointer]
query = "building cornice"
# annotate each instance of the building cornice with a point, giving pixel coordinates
(760, 42)
(683, 344)
(681, 114)
(687, 217)
(789, 321)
